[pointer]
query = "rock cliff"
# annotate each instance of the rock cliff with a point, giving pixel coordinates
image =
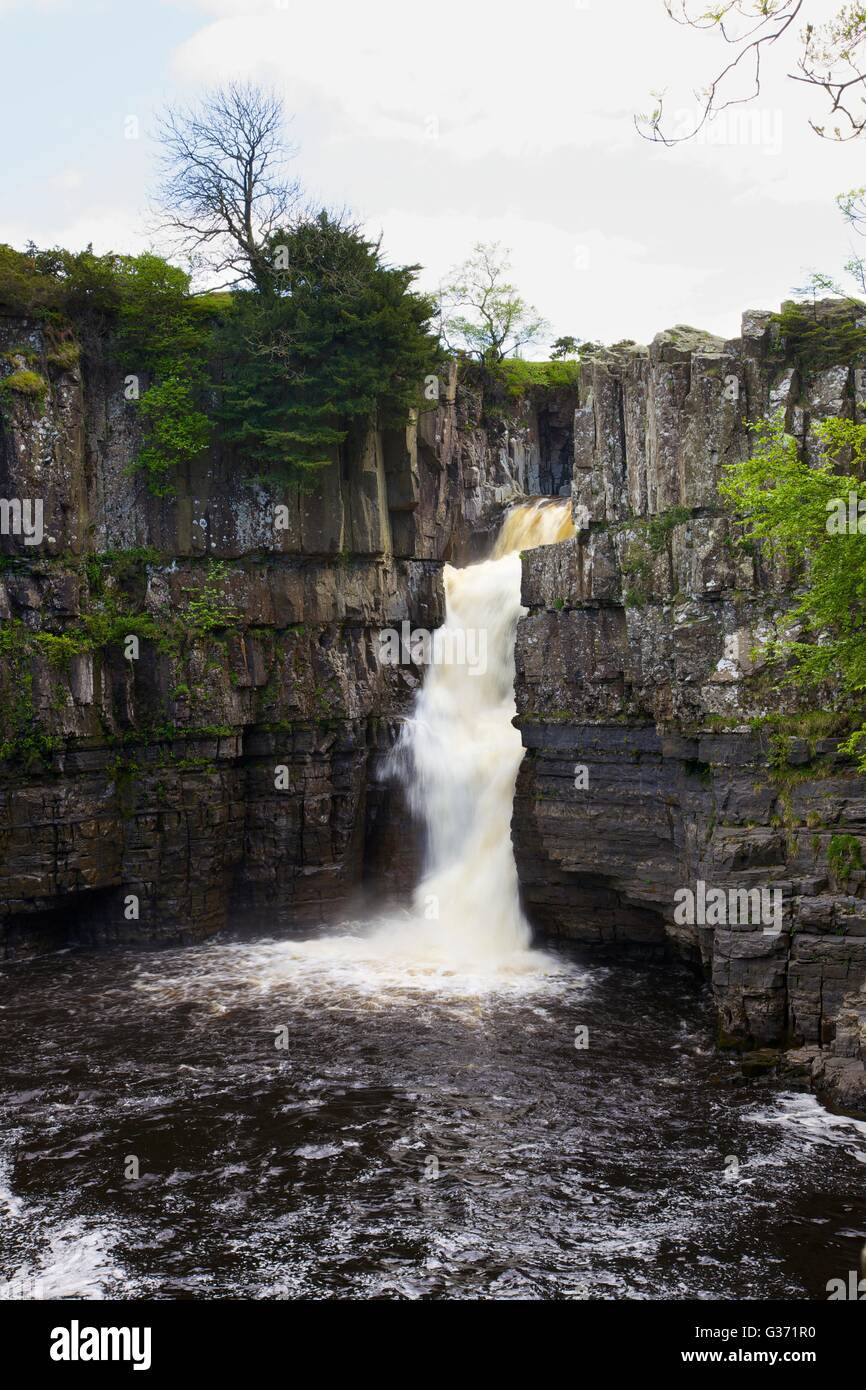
(659, 754)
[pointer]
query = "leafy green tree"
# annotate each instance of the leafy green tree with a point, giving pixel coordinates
(817, 285)
(161, 326)
(810, 515)
(852, 206)
(338, 340)
(89, 285)
(563, 348)
(482, 313)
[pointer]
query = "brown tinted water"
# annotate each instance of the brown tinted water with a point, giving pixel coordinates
(562, 1172)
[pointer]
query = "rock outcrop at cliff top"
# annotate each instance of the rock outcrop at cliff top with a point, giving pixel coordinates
(640, 661)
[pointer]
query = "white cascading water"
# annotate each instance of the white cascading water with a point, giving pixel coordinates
(459, 756)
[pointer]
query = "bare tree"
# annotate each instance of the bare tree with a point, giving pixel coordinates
(482, 313)
(224, 193)
(832, 60)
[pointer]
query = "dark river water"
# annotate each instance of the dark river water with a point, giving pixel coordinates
(306, 1124)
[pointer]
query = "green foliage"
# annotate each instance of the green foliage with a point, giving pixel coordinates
(811, 724)
(659, 528)
(24, 383)
(166, 333)
(637, 567)
(24, 291)
(102, 629)
(64, 355)
(120, 564)
(646, 538)
(21, 738)
(16, 355)
(790, 506)
(105, 624)
(844, 855)
(208, 608)
(566, 346)
(331, 341)
(55, 286)
(482, 312)
(159, 329)
(341, 342)
(520, 377)
(816, 339)
(176, 432)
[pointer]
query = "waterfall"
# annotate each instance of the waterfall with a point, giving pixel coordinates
(458, 757)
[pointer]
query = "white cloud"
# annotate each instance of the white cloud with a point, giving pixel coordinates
(7, 6)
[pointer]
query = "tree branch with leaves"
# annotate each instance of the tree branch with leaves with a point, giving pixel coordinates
(832, 60)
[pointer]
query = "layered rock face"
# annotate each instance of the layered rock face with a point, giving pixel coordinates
(642, 697)
(194, 716)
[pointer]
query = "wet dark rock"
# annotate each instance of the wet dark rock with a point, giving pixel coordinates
(640, 659)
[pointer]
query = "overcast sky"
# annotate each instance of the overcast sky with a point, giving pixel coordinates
(443, 124)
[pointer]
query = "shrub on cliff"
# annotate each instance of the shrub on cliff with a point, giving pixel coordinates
(23, 383)
(166, 333)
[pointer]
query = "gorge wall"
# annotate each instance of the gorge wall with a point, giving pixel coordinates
(641, 661)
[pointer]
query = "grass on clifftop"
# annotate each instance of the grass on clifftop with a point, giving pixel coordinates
(520, 377)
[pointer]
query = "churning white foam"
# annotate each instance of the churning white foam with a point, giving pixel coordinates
(806, 1124)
